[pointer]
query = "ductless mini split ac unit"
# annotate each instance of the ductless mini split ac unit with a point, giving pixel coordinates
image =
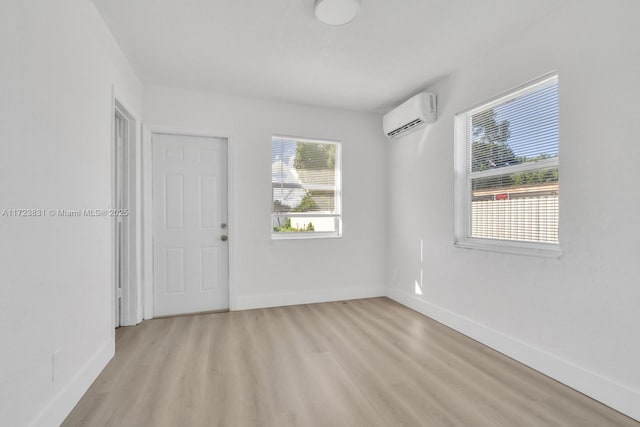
(410, 115)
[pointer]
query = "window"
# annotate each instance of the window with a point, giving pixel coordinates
(305, 181)
(507, 175)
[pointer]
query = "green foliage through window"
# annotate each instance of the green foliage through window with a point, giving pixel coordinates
(315, 156)
(287, 227)
(307, 204)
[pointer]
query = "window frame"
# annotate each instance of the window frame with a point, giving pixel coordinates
(463, 179)
(338, 197)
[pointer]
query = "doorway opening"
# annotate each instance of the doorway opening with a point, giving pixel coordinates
(123, 216)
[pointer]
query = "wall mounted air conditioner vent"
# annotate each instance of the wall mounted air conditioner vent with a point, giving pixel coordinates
(410, 115)
(405, 128)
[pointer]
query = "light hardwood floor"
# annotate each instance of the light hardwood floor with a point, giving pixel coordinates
(368, 362)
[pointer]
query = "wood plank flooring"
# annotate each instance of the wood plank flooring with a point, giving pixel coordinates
(368, 362)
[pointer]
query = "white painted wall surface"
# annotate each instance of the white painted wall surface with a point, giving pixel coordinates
(58, 65)
(576, 318)
(269, 272)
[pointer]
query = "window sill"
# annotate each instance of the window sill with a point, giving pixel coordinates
(304, 236)
(513, 248)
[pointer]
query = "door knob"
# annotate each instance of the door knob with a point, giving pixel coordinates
(224, 238)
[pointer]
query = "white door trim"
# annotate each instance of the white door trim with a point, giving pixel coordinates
(147, 206)
(131, 298)
(120, 201)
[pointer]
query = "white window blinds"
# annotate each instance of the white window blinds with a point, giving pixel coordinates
(511, 175)
(305, 177)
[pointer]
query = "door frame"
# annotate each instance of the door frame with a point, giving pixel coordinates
(121, 190)
(131, 310)
(147, 206)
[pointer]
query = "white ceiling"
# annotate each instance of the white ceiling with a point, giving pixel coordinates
(276, 49)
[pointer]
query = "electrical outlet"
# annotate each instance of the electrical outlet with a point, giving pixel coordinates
(55, 364)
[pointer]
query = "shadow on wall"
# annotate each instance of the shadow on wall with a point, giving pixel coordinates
(423, 138)
(419, 283)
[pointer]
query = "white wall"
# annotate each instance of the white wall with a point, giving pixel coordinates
(269, 272)
(576, 318)
(59, 63)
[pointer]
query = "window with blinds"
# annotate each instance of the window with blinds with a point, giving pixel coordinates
(507, 174)
(305, 188)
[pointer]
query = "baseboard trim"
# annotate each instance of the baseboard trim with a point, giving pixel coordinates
(306, 297)
(64, 401)
(611, 393)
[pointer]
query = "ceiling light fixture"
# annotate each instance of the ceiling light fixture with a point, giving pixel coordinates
(336, 12)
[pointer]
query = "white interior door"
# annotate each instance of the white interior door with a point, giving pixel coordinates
(190, 261)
